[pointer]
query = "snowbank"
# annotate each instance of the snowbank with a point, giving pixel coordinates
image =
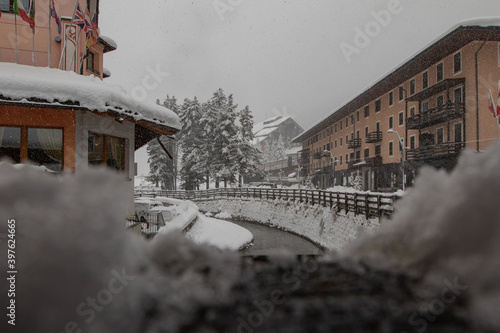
(222, 234)
(20, 83)
(188, 213)
(318, 224)
(448, 226)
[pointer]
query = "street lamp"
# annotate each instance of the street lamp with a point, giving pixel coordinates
(334, 161)
(403, 148)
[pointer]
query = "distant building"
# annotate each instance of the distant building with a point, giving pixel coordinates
(269, 131)
(70, 119)
(437, 102)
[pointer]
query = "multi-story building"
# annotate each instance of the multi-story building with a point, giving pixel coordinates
(436, 102)
(68, 119)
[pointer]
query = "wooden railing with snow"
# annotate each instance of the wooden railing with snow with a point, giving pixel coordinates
(369, 204)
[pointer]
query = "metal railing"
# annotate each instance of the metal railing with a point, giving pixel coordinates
(150, 223)
(436, 115)
(369, 204)
(373, 137)
(434, 151)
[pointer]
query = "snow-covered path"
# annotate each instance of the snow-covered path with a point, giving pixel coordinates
(222, 234)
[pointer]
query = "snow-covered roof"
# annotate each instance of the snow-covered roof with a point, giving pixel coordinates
(269, 123)
(36, 85)
(108, 42)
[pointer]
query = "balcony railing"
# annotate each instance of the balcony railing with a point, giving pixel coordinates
(354, 143)
(435, 116)
(374, 160)
(317, 156)
(373, 137)
(352, 162)
(434, 151)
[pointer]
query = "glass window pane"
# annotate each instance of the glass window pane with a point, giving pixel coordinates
(45, 147)
(115, 153)
(10, 143)
(96, 149)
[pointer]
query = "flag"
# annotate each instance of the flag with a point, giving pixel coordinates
(92, 30)
(492, 107)
(79, 18)
(498, 100)
(31, 14)
(53, 14)
(18, 9)
(0, 12)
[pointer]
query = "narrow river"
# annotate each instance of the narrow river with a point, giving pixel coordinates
(266, 239)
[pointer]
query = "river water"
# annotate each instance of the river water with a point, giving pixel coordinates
(267, 239)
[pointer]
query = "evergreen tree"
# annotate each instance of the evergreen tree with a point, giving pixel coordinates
(249, 158)
(163, 170)
(193, 144)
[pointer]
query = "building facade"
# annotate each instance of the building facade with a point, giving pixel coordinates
(436, 103)
(68, 119)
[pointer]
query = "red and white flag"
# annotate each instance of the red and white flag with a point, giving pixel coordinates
(498, 100)
(491, 106)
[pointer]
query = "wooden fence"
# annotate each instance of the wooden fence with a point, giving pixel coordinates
(369, 204)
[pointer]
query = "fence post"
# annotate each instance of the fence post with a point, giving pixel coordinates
(355, 204)
(379, 199)
(346, 202)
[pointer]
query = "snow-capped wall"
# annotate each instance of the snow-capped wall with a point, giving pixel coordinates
(320, 225)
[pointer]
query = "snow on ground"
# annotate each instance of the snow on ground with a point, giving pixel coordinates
(222, 234)
(223, 215)
(187, 214)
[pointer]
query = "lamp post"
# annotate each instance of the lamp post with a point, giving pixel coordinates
(334, 161)
(403, 148)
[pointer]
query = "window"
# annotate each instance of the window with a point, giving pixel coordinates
(335, 127)
(391, 148)
(378, 150)
(401, 118)
(90, 62)
(377, 124)
(391, 98)
(335, 143)
(425, 106)
(439, 135)
(425, 79)
(412, 142)
(401, 93)
(366, 131)
(340, 159)
(412, 111)
(457, 95)
(378, 105)
(457, 62)
(106, 150)
(346, 122)
(498, 54)
(391, 121)
(7, 5)
(340, 142)
(347, 158)
(440, 72)
(44, 146)
(367, 111)
(412, 87)
(458, 132)
(367, 152)
(346, 139)
(10, 145)
(352, 119)
(358, 155)
(357, 134)
(357, 116)
(440, 101)
(340, 125)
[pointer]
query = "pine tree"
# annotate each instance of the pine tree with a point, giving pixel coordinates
(163, 170)
(249, 158)
(194, 164)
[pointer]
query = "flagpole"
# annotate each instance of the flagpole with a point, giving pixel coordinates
(76, 49)
(33, 47)
(63, 52)
(15, 23)
(50, 35)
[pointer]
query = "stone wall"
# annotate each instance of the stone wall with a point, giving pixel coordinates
(323, 226)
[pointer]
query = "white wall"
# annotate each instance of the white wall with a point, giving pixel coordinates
(88, 121)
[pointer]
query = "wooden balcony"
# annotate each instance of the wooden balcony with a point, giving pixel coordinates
(373, 137)
(435, 116)
(354, 143)
(435, 151)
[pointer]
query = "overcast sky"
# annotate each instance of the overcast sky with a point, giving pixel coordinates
(303, 58)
